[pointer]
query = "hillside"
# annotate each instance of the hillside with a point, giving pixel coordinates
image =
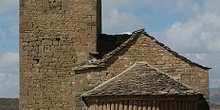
(214, 107)
(9, 104)
(214, 96)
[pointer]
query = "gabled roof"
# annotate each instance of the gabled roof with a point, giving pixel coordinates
(140, 79)
(101, 62)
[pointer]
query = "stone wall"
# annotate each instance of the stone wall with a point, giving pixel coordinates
(143, 49)
(57, 34)
(54, 35)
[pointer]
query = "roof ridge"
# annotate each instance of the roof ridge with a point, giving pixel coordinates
(110, 79)
(133, 36)
(175, 53)
(101, 62)
(162, 72)
(186, 89)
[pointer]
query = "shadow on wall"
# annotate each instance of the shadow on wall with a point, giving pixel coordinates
(203, 105)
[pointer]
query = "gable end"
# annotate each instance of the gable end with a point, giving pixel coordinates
(175, 53)
(97, 63)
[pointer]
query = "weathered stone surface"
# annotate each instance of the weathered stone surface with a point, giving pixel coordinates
(54, 35)
(142, 47)
(57, 35)
(141, 79)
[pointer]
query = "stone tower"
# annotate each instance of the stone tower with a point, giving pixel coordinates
(54, 36)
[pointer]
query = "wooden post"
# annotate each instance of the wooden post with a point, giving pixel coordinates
(100, 106)
(116, 106)
(130, 105)
(154, 105)
(158, 105)
(126, 105)
(149, 105)
(183, 105)
(108, 106)
(170, 105)
(121, 106)
(140, 105)
(161, 105)
(175, 105)
(135, 105)
(144, 105)
(112, 106)
(179, 105)
(104, 106)
(196, 105)
(92, 107)
(166, 107)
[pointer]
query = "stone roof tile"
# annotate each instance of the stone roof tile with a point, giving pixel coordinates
(141, 79)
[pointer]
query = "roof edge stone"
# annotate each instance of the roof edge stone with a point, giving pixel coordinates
(97, 63)
(176, 54)
(102, 62)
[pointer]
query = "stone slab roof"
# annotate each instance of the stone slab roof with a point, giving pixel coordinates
(141, 79)
(108, 54)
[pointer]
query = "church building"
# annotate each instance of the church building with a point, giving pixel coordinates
(66, 63)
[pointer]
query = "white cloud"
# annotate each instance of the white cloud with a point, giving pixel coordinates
(188, 7)
(124, 21)
(199, 35)
(14, 29)
(210, 60)
(9, 85)
(212, 6)
(120, 15)
(129, 33)
(8, 5)
(9, 18)
(9, 77)
(9, 74)
(9, 63)
(129, 4)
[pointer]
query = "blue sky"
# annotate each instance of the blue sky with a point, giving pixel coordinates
(190, 27)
